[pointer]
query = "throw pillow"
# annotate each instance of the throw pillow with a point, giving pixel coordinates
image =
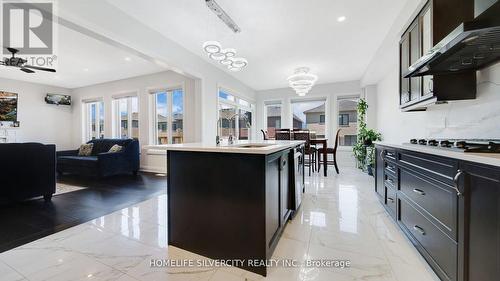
(85, 149)
(116, 148)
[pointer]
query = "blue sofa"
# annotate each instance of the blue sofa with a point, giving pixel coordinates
(101, 163)
(27, 170)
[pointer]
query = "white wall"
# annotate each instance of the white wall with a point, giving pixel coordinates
(477, 118)
(140, 86)
(330, 92)
(39, 121)
(92, 17)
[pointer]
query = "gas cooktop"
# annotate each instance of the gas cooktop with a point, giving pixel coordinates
(465, 145)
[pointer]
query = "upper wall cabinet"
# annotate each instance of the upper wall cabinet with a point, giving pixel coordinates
(436, 19)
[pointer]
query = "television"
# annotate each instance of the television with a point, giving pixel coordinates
(8, 107)
(58, 99)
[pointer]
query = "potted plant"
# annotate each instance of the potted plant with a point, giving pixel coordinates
(363, 149)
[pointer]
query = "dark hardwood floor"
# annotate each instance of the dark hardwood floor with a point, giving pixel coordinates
(23, 222)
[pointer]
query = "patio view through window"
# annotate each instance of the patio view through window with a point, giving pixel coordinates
(128, 118)
(235, 116)
(348, 120)
(94, 120)
(310, 115)
(273, 118)
(169, 116)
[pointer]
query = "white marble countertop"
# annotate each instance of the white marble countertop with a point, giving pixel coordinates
(492, 159)
(260, 146)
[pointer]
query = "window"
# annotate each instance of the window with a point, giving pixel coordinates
(322, 119)
(308, 115)
(168, 109)
(348, 116)
(273, 118)
(127, 118)
(343, 119)
(94, 120)
(350, 140)
(235, 116)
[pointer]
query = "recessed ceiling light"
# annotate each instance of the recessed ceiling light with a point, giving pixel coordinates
(85, 69)
(341, 19)
(128, 59)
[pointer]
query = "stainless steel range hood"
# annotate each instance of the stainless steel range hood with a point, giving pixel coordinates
(471, 46)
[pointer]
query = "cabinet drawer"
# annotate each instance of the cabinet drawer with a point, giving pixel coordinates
(442, 169)
(437, 248)
(437, 199)
(391, 181)
(391, 201)
(390, 155)
(390, 169)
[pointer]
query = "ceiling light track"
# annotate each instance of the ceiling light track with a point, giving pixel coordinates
(223, 15)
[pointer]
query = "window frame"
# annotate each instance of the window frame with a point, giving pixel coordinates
(154, 118)
(87, 136)
(268, 103)
(117, 132)
(324, 99)
(238, 106)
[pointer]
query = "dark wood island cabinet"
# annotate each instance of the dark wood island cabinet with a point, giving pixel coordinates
(449, 208)
(231, 205)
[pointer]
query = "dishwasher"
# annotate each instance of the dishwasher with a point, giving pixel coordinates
(297, 186)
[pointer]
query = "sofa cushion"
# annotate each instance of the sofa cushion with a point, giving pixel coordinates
(85, 149)
(104, 145)
(83, 161)
(115, 148)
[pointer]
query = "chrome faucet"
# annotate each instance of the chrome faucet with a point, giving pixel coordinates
(231, 131)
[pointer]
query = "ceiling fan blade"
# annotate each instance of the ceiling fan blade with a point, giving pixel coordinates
(39, 68)
(12, 50)
(27, 70)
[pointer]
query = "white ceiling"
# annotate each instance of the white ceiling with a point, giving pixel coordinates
(279, 35)
(83, 61)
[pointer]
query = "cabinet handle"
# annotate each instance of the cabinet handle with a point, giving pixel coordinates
(431, 85)
(419, 229)
(456, 183)
(419, 191)
(390, 199)
(382, 154)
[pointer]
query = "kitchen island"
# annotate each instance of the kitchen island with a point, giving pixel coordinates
(231, 202)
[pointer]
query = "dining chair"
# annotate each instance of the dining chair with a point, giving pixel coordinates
(283, 134)
(333, 151)
(309, 150)
(264, 135)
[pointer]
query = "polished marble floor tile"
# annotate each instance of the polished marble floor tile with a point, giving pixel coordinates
(340, 219)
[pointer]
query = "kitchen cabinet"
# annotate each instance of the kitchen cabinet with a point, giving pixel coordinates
(479, 221)
(433, 23)
(234, 208)
(448, 208)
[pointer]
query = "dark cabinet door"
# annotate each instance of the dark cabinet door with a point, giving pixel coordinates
(404, 56)
(379, 173)
(273, 179)
(479, 221)
(425, 20)
(415, 54)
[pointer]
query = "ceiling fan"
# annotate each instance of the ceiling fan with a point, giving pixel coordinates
(21, 63)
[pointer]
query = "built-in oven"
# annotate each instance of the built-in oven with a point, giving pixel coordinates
(297, 184)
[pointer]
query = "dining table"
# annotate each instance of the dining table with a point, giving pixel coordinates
(323, 143)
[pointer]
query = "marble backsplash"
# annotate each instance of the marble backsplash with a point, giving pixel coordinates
(478, 119)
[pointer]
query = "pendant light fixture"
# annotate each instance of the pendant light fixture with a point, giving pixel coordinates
(302, 81)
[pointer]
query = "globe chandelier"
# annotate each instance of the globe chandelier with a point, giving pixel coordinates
(302, 81)
(226, 57)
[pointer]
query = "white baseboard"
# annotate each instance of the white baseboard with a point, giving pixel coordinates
(153, 169)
